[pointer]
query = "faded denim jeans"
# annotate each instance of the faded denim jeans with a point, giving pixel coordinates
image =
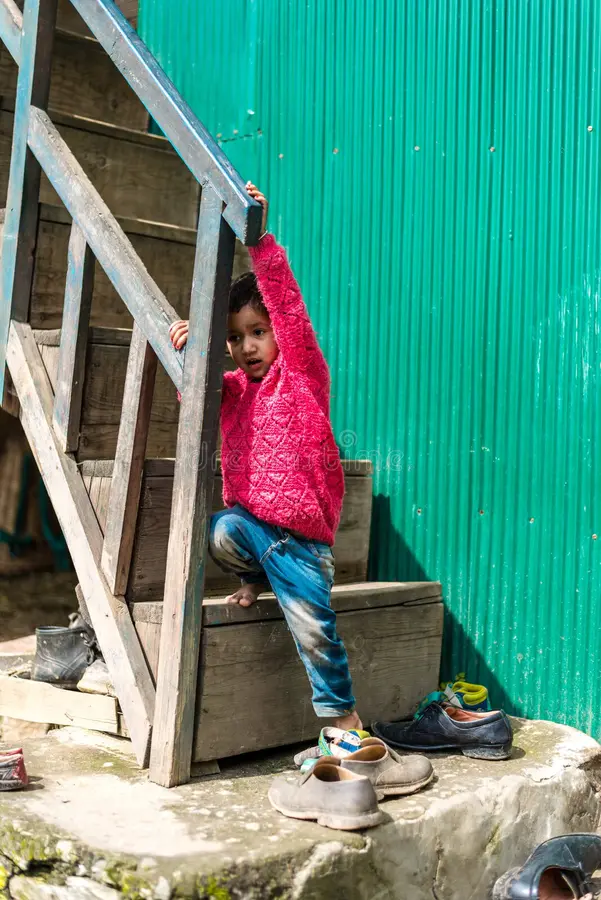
(301, 573)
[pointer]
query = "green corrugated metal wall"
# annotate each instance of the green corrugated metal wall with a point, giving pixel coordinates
(434, 169)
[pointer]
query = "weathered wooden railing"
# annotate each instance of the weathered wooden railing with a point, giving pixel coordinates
(52, 421)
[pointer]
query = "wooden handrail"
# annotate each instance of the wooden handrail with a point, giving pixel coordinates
(112, 248)
(203, 156)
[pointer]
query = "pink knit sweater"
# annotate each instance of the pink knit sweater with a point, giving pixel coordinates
(279, 457)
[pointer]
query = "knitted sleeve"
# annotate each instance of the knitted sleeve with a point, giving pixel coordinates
(282, 297)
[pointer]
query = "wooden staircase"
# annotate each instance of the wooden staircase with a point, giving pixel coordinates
(100, 229)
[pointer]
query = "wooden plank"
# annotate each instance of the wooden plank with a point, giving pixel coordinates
(83, 81)
(146, 303)
(203, 156)
(149, 634)
(101, 440)
(103, 404)
(104, 498)
(110, 617)
(160, 230)
(351, 549)
(34, 701)
(70, 20)
(51, 337)
(171, 751)
(345, 598)
(21, 219)
(68, 392)
(169, 262)
(129, 463)
(11, 23)
(137, 175)
(254, 692)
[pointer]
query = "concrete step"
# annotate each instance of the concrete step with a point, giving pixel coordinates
(84, 82)
(138, 175)
(96, 824)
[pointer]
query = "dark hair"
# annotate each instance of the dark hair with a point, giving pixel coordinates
(245, 292)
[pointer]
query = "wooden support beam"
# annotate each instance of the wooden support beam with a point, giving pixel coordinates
(171, 752)
(74, 341)
(113, 250)
(64, 483)
(129, 463)
(21, 220)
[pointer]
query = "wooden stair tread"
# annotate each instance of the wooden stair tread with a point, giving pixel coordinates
(83, 78)
(163, 231)
(345, 598)
(138, 175)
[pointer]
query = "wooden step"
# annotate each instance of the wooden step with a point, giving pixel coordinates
(167, 252)
(147, 577)
(106, 364)
(253, 691)
(138, 175)
(84, 82)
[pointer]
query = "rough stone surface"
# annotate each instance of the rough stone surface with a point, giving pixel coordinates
(91, 824)
(74, 888)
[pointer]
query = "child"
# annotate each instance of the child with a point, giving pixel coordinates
(282, 478)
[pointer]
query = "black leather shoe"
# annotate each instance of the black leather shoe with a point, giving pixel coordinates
(444, 727)
(559, 869)
(61, 656)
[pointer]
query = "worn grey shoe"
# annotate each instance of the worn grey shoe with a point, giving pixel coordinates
(333, 796)
(390, 774)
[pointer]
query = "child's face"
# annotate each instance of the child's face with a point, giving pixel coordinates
(251, 341)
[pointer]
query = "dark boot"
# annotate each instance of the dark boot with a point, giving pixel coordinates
(62, 655)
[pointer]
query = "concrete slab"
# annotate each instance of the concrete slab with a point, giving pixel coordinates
(92, 819)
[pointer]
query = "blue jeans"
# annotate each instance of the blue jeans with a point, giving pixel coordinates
(301, 573)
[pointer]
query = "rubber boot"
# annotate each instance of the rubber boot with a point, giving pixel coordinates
(62, 655)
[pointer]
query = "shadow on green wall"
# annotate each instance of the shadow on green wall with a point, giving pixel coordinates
(459, 654)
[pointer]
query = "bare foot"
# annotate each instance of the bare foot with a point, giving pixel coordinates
(248, 594)
(349, 722)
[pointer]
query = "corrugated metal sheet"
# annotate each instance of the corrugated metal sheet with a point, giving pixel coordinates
(434, 169)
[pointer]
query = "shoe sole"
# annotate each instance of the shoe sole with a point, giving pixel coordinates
(329, 820)
(402, 790)
(496, 751)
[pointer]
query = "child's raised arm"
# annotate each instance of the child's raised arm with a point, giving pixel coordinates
(283, 300)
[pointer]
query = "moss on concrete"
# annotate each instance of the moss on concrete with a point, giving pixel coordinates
(6, 870)
(219, 839)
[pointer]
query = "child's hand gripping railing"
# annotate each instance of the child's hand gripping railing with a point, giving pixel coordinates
(226, 211)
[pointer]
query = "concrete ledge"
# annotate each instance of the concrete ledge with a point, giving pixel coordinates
(91, 821)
